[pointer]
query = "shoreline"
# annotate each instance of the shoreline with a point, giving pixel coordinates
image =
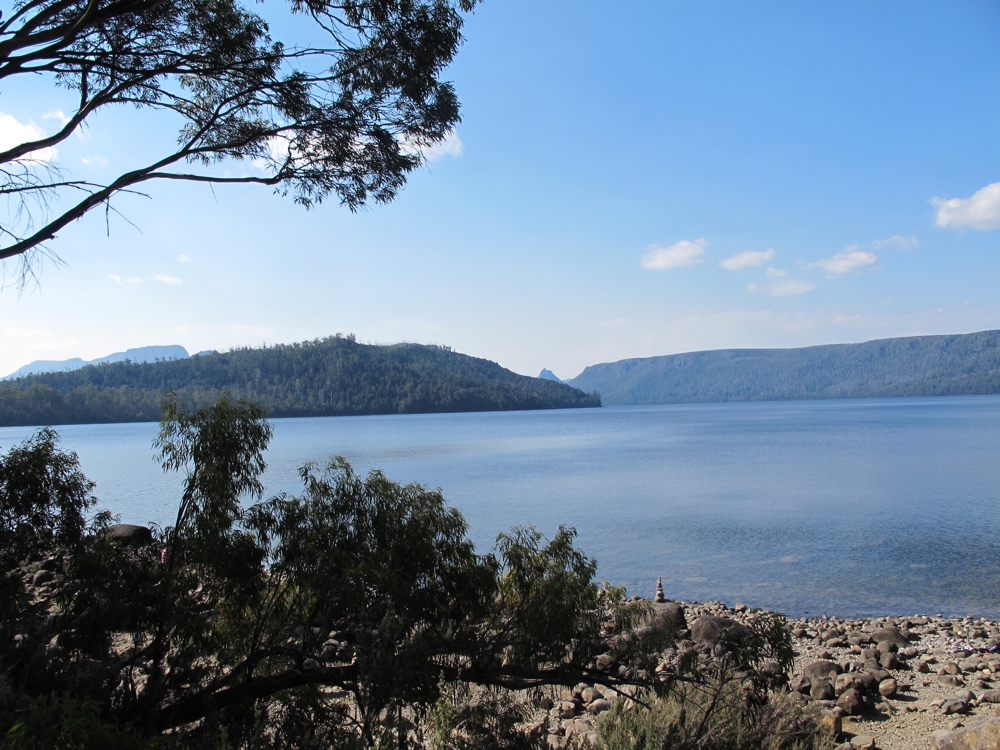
(915, 675)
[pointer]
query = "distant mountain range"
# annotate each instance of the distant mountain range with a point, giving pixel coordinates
(960, 364)
(140, 354)
(329, 377)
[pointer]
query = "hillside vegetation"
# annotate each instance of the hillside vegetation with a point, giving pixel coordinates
(960, 364)
(329, 377)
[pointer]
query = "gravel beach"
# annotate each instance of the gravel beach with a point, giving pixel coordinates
(885, 683)
(925, 674)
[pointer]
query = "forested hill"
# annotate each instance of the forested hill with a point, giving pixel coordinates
(329, 377)
(961, 364)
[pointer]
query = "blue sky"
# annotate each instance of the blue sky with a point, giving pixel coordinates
(630, 179)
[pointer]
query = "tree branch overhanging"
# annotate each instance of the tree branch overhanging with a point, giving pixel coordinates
(352, 109)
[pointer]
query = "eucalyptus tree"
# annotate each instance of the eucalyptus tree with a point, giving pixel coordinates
(346, 112)
(334, 617)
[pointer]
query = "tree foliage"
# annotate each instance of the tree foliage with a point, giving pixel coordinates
(330, 377)
(329, 619)
(344, 113)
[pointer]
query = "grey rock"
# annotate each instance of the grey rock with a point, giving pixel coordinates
(852, 702)
(565, 709)
(822, 690)
(129, 534)
(982, 733)
(889, 633)
(954, 706)
(887, 688)
(889, 660)
(43, 577)
(823, 668)
(800, 684)
(709, 630)
(599, 706)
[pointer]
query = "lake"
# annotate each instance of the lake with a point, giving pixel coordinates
(882, 506)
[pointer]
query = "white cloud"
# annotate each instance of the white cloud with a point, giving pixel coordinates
(851, 258)
(780, 285)
(56, 114)
(748, 259)
(678, 255)
(898, 241)
(94, 161)
(980, 211)
(184, 258)
(126, 281)
(14, 133)
(451, 145)
(277, 147)
(164, 279)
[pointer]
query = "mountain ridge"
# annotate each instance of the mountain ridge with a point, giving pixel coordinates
(137, 354)
(335, 376)
(941, 365)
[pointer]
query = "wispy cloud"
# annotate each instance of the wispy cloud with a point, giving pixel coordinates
(748, 259)
(128, 281)
(184, 258)
(164, 279)
(451, 145)
(57, 114)
(94, 161)
(851, 258)
(898, 241)
(979, 211)
(678, 255)
(779, 284)
(14, 133)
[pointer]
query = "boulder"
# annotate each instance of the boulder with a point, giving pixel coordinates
(42, 577)
(129, 534)
(889, 633)
(709, 630)
(954, 706)
(599, 706)
(982, 733)
(852, 702)
(800, 684)
(887, 688)
(665, 615)
(821, 690)
(829, 720)
(824, 669)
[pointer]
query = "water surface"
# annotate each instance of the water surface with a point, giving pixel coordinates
(848, 507)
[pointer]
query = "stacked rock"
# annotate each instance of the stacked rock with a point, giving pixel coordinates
(659, 598)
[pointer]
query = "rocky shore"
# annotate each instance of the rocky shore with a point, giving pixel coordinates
(891, 683)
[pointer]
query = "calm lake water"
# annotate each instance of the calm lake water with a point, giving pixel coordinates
(885, 506)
